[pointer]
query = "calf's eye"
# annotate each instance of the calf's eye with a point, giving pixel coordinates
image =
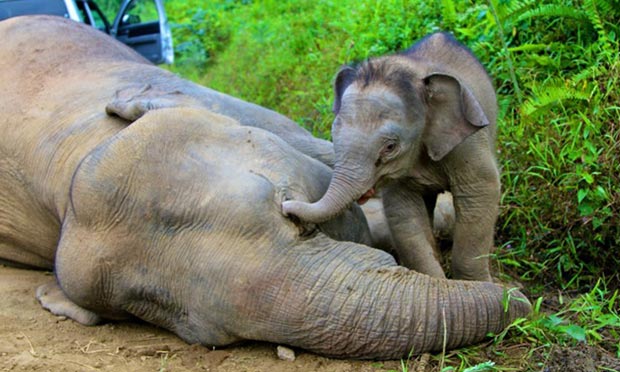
(389, 148)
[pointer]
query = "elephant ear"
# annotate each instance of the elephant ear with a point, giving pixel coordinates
(454, 113)
(345, 77)
(132, 102)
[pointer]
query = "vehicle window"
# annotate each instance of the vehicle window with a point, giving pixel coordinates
(91, 15)
(140, 11)
(100, 23)
(99, 19)
(109, 8)
(142, 25)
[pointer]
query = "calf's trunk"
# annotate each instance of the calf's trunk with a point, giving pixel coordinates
(342, 191)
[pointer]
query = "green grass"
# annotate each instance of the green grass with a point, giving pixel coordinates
(556, 68)
(555, 65)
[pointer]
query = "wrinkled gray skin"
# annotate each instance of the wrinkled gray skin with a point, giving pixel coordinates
(416, 124)
(380, 235)
(176, 218)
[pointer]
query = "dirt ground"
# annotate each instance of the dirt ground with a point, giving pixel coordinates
(32, 339)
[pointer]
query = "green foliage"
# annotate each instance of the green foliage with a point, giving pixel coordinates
(201, 30)
(556, 69)
(109, 8)
(284, 54)
(560, 184)
(592, 318)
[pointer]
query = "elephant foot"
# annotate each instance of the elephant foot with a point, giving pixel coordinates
(52, 298)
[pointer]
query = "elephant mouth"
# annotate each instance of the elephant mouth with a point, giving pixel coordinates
(367, 195)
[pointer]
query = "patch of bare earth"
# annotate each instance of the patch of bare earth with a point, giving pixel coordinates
(580, 358)
(33, 339)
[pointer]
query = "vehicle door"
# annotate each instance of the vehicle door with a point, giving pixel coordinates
(142, 24)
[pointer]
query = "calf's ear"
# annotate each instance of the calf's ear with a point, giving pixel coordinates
(454, 113)
(344, 78)
(132, 102)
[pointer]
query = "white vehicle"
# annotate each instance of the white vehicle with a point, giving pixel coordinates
(141, 24)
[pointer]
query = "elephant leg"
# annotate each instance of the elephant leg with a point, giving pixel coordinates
(52, 298)
(476, 207)
(410, 225)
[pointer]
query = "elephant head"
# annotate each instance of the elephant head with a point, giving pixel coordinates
(392, 113)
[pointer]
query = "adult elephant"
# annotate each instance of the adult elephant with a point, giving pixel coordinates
(176, 218)
(416, 124)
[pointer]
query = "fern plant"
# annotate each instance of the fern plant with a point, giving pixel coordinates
(543, 98)
(565, 58)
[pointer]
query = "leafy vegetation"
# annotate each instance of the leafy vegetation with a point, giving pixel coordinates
(556, 67)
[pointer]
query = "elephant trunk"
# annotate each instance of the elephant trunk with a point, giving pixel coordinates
(341, 192)
(354, 302)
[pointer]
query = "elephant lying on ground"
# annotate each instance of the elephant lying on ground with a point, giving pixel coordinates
(176, 218)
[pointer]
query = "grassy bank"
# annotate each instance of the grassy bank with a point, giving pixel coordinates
(555, 67)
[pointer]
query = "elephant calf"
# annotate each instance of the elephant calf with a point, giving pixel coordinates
(416, 124)
(169, 210)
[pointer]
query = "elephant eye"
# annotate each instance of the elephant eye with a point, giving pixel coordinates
(389, 148)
